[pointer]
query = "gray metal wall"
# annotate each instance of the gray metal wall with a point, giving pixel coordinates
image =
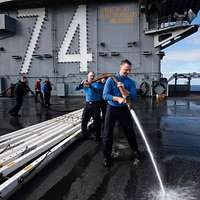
(111, 29)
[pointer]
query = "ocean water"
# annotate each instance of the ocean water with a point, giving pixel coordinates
(195, 88)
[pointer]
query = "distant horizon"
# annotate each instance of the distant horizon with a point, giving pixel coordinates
(194, 88)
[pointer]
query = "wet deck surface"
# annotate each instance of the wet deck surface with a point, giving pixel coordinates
(172, 128)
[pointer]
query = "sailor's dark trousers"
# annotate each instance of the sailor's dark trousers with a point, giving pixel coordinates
(16, 108)
(91, 110)
(122, 114)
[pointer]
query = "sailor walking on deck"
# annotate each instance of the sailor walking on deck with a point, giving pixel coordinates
(21, 90)
(93, 92)
(118, 110)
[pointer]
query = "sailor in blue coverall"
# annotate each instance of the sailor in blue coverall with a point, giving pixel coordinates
(118, 110)
(93, 93)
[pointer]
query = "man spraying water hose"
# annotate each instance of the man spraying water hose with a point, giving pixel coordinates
(117, 110)
(120, 91)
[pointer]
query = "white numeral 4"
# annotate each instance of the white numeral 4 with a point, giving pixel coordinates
(79, 22)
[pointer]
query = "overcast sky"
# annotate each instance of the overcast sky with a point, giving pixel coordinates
(184, 56)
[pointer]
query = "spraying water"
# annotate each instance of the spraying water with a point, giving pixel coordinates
(148, 149)
(177, 193)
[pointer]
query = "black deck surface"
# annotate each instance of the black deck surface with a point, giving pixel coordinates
(171, 126)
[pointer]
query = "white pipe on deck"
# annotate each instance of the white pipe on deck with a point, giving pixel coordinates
(24, 137)
(12, 166)
(9, 186)
(32, 144)
(33, 127)
(31, 134)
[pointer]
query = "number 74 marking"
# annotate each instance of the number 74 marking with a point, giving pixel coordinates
(79, 21)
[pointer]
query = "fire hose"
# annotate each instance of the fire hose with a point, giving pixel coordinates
(127, 100)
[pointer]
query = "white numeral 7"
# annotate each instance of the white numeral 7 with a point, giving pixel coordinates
(40, 14)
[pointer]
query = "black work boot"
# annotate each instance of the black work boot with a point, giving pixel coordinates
(97, 139)
(11, 113)
(107, 162)
(87, 136)
(17, 115)
(136, 158)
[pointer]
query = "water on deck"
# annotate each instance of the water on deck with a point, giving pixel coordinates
(172, 127)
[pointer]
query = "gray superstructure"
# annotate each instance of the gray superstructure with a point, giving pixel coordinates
(63, 41)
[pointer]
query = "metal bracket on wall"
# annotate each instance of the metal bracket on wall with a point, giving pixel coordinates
(103, 54)
(115, 53)
(160, 53)
(17, 57)
(147, 53)
(38, 56)
(132, 44)
(47, 56)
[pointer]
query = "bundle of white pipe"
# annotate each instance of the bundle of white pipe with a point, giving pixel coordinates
(37, 144)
